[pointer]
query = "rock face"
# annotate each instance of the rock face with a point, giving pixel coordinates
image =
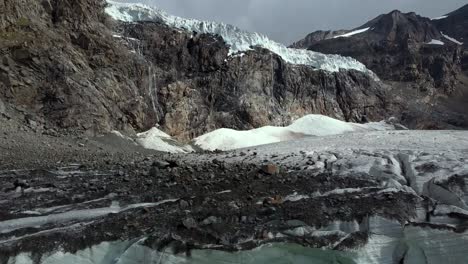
(199, 87)
(60, 62)
(101, 75)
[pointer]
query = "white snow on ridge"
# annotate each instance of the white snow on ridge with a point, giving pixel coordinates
(439, 18)
(352, 33)
(237, 39)
(435, 42)
(310, 125)
(452, 39)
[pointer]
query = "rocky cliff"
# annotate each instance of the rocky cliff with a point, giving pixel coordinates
(66, 64)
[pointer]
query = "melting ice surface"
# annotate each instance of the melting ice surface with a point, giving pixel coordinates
(238, 40)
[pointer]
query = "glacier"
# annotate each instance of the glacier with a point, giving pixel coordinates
(425, 165)
(238, 39)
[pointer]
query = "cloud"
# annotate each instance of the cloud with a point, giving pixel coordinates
(288, 21)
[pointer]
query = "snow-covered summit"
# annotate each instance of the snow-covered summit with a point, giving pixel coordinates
(238, 40)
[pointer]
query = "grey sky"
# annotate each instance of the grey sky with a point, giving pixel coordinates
(289, 20)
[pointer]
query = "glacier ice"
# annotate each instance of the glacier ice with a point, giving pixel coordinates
(238, 40)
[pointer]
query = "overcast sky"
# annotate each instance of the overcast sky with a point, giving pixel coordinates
(289, 20)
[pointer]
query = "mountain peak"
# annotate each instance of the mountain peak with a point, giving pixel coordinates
(396, 11)
(397, 26)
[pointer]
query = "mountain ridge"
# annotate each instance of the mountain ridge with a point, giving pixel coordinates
(408, 51)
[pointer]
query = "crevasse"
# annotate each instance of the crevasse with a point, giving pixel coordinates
(238, 40)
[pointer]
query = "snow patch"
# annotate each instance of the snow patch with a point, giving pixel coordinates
(435, 42)
(452, 39)
(352, 33)
(439, 18)
(310, 125)
(158, 140)
(238, 40)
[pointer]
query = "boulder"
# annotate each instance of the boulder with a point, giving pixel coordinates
(270, 169)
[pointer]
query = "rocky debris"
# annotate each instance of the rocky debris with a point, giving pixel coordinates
(210, 218)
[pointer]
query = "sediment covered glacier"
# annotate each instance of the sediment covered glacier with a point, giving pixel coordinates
(371, 197)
